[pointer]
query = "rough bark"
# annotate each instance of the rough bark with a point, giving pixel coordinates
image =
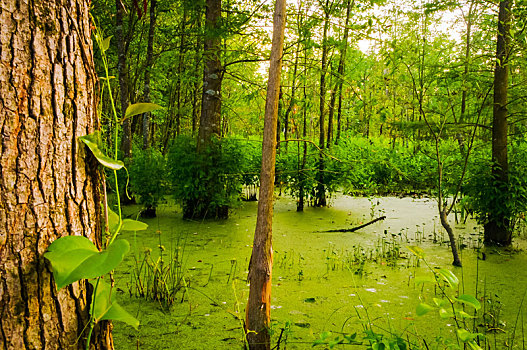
(197, 66)
(210, 120)
(497, 229)
(260, 267)
(148, 67)
(47, 187)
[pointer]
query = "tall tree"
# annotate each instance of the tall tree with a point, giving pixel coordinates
(210, 119)
(497, 229)
(341, 69)
(47, 187)
(320, 199)
(261, 263)
(148, 68)
(122, 72)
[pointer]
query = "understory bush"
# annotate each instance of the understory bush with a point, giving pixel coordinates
(207, 183)
(148, 178)
(488, 195)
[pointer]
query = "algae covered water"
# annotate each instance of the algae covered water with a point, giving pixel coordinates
(336, 282)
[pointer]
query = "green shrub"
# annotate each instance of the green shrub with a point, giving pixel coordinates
(487, 195)
(148, 178)
(208, 183)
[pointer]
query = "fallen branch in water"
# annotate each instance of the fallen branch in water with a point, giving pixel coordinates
(358, 227)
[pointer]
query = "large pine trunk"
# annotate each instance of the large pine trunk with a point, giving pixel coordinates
(47, 188)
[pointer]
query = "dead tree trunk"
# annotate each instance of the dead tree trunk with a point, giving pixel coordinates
(261, 264)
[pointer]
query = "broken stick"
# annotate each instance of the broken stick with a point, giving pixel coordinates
(358, 227)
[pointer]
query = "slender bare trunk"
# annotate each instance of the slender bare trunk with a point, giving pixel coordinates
(261, 264)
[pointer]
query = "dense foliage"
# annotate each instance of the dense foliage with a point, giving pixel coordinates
(411, 111)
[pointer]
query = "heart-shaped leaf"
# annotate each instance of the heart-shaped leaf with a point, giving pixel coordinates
(469, 300)
(133, 225)
(105, 44)
(449, 277)
(67, 253)
(423, 309)
(140, 108)
(113, 221)
(106, 308)
(76, 257)
(101, 157)
(446, 313)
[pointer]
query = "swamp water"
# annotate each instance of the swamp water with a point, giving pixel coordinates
(322, 281)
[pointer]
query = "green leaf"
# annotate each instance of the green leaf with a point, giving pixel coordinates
(469, 300)
(66, 254)
(440, 302)
(465, 335)
(418, 251)
(473, 345)
(101, 157)
(76, 257)
(445, 313)
(106, 308)
(105, 44)
(423, 309)
(133, 225)
(449, 277)
(463, 314)
(140, 108)
(113, 221)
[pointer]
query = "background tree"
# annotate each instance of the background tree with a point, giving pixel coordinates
(497, 228)
(48, 188)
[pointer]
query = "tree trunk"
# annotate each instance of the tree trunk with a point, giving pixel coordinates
(149, 63)
(321, 188)
(467, 63)
(210, 120)
(181, 60)
(47, 187)
(292, 101)
(302, 177)
(197, 64)
(341, 69)
(497, 229)
(333, 96)
(122, 71)
(261, 264)
(446, 225)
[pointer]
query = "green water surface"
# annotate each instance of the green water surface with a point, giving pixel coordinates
(319, 283)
